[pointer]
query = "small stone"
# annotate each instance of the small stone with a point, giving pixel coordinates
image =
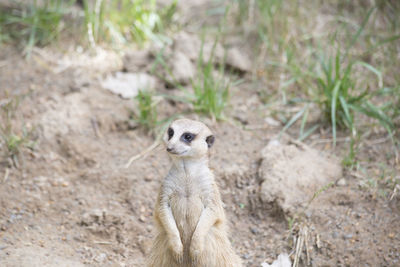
(101, 257)
(237, 60)
(341, 182)
(272, 122)
(254, 230)
(142, 218)
(241, 116)
(138, 60)
(274, 142)
(145, 245)
(182, 68)
(308, 214)
(127, 85)
(348, 236)
(132, 124)
(148, 178)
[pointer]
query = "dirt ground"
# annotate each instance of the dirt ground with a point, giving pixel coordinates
(72, 202)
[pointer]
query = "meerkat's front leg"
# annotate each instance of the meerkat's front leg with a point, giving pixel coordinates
(208, 218)
(168, 221)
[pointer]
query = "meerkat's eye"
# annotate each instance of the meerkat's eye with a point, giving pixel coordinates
(188, 137)
(170, 133)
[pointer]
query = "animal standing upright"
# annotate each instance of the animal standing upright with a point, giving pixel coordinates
(189, 215)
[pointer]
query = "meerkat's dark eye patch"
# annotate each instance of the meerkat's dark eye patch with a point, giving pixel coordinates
(170, 133)
(210, 140)
(187, 137)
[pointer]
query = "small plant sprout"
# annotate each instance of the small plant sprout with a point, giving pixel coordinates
(147, 110)
(10, 138)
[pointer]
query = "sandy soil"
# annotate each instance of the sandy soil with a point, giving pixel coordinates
(72, 202)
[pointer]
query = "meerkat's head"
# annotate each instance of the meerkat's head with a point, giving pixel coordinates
(188, 138)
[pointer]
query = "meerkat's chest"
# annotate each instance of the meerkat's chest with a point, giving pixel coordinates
(195, 188)
(187, 201)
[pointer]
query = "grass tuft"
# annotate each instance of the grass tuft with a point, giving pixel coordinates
(147, 115)
(125, 21)
(33, 24)
(12, 140)
(118, 22)
(210, 87)
(340, 97)
(210, 94)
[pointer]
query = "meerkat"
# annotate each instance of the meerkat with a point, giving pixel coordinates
(189, 215)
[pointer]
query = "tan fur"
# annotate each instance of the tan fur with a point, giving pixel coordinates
(190, 219)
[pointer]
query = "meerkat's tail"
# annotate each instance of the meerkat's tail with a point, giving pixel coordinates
(218, 251)
(160, 255)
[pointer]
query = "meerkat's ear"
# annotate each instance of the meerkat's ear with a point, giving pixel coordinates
(210, 140)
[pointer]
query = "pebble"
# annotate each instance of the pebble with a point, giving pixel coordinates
(246, 256)
(148, 178)
(348, 236)
(341, 182)
(254, 230)
(272, 122)
(142, 218)
(308, 213)
(238, 60)
(101, 257)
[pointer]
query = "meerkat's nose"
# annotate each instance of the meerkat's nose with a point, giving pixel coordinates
(169, 149)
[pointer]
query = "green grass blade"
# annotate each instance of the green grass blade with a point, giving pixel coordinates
(293, 120)
(308, 132)
(347, 114)
(304, 120)
(373, 70)
(372, 111)
(333, 110)
(360, 30)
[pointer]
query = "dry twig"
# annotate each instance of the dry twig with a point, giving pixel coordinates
(143, 153)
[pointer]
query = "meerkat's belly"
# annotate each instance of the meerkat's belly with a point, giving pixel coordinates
(186, 209)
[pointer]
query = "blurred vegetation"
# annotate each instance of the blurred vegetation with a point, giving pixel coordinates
(147, 115)
(32, 24)
(126, 20)
(209, 91)
(38, 23)
(210, 87)
(337, 57)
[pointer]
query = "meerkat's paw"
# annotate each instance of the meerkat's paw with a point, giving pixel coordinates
(176, 247)
(196, 247)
